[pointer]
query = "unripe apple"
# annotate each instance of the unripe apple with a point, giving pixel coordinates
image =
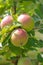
(19, 37)
(26, 21)
(24, 61)
(32, 54)
(6, 21)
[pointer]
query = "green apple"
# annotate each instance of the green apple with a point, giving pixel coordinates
(27, 61)
(32, 54)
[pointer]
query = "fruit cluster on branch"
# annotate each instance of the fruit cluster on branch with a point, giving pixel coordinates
(19, 36)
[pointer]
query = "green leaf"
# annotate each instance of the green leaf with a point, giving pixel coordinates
(40, 43)
(41, 25)
(41, 31)
(40, 58)
(31, 44)
(39, 13)
(5, 41)
(14, 49)
(37, 23)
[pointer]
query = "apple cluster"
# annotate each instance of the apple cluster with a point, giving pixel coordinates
(19, 36)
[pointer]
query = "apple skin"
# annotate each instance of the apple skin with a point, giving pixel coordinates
(26, 21)
(6, 21)
(19, 37)
(24, 61)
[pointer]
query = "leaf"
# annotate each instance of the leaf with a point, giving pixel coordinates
(31, 44)
(16, 50)
(37, 23)
(40, 7)
(39, 13)
(32, 32)
(36, 19)
(40, 43)
(39, 57)
(14, 26)
(41, 31)
(41, 25)
(4, 42)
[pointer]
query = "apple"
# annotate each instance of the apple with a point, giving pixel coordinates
(6, 21)
(24, 61)
(27, 61)
(19, 37)
(26, 21)
(32, 54)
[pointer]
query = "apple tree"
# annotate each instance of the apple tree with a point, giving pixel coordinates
(21, 32)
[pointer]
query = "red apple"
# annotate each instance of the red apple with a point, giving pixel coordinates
(6, 21)
(19, 37)
(26, 21)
